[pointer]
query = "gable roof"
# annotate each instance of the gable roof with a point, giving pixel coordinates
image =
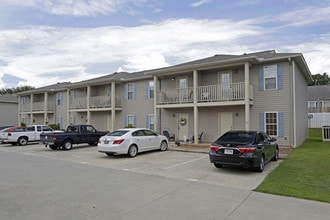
(321, 92)
(219, 60)
(8, 98)
(61, 86)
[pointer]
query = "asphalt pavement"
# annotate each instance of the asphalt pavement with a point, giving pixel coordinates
(36, 187)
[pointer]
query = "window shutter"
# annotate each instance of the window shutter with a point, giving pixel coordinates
(280, 124)
(126, 91)
(147, 122)
(134, 120)
(125, 120)
(262, 121)
(134, 91)
(147, 90)
(280, 76)
(261, 78)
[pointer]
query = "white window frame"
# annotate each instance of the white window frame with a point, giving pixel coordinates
(130, 120)
(267, 124)
(151, 88)
(59, 98)
(270, 73)
(130, 91)
(151, 122)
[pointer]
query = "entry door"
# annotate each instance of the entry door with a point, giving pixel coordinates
(225, 122)
(183, 127)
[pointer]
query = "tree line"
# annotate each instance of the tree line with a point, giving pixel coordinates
(15, 90)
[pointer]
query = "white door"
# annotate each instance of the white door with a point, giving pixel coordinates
(225, 122)
(183, 126)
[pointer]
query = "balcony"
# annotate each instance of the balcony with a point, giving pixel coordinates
(78, 103)
(39, 107)
(96, 102)
(103, 102)
(318, 109)
(212, 93)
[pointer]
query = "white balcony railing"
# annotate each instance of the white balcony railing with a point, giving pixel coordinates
(211, 93)
(78, 103)
(103, 102)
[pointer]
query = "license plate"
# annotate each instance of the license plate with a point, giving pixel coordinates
(106, 142)
(229, 151)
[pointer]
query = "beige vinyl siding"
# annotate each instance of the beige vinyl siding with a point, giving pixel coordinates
(62, 110)
(101, 120)
(279, 100)
(208, 120)
(139, 107)
(8, 113)
(301, 107)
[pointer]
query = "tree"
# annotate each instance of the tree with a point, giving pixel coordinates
(15, 90)
(320, 79)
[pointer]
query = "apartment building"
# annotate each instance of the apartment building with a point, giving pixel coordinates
(256, 91)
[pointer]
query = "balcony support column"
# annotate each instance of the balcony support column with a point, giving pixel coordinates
(45, 107)
(113, 105)
(195, 84)
(247, 95)
(156, 114)
(88, 96)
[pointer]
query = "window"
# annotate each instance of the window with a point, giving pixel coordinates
(58, 98)
(108, 90)
(271, 123)
(270, 77)
(130, 120)
(150, 89)
(24, 100)
(130, 91)
(151, 122)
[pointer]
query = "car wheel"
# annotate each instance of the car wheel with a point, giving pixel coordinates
(261, 165)
(132, 151)
(67, 145)
(22, 141)
(276, 156)
(53, 147)
(163, 146)
(218, 165)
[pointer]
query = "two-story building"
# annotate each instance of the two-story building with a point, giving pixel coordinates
(256, 91)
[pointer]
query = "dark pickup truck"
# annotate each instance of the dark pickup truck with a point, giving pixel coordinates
(74, 134)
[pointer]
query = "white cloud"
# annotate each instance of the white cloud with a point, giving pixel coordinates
(76, 8)
(44, 55)
(199, 3)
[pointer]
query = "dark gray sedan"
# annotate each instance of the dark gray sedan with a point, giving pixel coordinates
(240, 148)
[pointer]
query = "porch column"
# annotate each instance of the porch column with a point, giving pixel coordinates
(45, 107)
(31, 111)
(156, 118)
(19, 111)
(87, 104)
(195, 84)
(68, 107)
(113, 105)
(247, 95)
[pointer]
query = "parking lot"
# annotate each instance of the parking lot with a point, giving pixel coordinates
(189, 166)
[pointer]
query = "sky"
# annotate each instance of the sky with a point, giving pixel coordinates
(43, 42)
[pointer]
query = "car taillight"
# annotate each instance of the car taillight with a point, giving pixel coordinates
(53, 137)
(246, 150)
(118, 141)
(214, 148)
(9, 134)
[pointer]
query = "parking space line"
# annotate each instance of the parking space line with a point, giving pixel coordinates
(183, 163)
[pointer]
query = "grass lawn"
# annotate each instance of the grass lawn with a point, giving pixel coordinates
(305, 173)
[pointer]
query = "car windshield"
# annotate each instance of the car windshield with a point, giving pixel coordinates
(118, 133)
(237, 137)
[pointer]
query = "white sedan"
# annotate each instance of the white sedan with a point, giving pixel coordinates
(130, 141)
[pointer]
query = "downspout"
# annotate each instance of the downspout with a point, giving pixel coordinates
(195, 83)
(157, 128)
(294, 103)
(113, 105)
(247, 95)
